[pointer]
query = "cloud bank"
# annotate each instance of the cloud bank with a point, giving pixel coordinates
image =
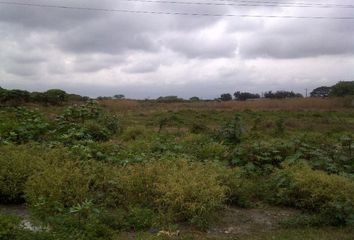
(148, 55)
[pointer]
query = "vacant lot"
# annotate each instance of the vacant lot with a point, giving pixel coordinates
(118, 169)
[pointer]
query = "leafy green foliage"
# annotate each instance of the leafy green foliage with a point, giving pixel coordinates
(30, 126)
(232, 131)
(343, 88)
(76, 123)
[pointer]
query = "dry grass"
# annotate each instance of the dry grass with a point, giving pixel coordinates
(313, 104)
(119, 105)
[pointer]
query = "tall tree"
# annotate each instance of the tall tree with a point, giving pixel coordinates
(226, 97)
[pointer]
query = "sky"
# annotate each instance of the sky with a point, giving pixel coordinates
(103, 53)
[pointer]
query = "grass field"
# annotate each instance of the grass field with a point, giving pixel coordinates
(121, 169)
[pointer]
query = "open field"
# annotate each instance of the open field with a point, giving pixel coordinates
(314, 104)
(119, 169)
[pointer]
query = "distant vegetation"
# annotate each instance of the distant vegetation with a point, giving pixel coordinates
(341, 89)
(57, 97)
(93, 170)
(51, 97)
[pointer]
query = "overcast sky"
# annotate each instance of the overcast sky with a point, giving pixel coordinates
(99, 53)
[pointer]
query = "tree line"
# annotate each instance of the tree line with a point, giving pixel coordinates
(341, 89)
(243, 96)
(58, 96)
(51, 97)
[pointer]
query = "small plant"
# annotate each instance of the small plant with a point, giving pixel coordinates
(232, 131)
(279, 127)
(197, 128)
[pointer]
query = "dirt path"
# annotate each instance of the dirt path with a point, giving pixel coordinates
(19, 210)
(238, 221)
(232, 222)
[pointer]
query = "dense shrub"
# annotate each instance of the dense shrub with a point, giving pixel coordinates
(18, 163)
(27, 125)
(176, 191)
(243, 190)
(85, 122)
(77, 123)
(9, 227)
(203, 148)
(232, 131)
(261, 156)
(189, 191)
(331, 196)
(134, 133)
(63, 184)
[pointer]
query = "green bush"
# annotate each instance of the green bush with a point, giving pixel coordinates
(243, 190)
(63, 184)
(232, 132)
(84, 123)
(139, 218)
(261, 156)
(28, 125)
(9, 227)
(18, 163)
(331, 196)
(203, 148)
(177, 191)
(197, 128)
(189, 191)
(133, 133)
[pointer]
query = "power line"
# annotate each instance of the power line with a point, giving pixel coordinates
(247, 4)
(63, 7)
(286, 3)
(279, 2)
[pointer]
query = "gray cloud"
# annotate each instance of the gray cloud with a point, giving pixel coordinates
(317, 39)
(145, 67)
(145, 55)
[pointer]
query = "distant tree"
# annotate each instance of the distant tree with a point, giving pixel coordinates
(226, 97)
(14, 97)
(119, 96)
(194, 99)
(55, 96)
(38, 97)
(3, 93)
(77, 98)
(343, 88)
(282, 95)
(242, 96)
(104, 98)
(321, 92)
(169, 99)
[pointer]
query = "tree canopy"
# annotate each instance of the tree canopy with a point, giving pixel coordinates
(343, 88)
(242, 96)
